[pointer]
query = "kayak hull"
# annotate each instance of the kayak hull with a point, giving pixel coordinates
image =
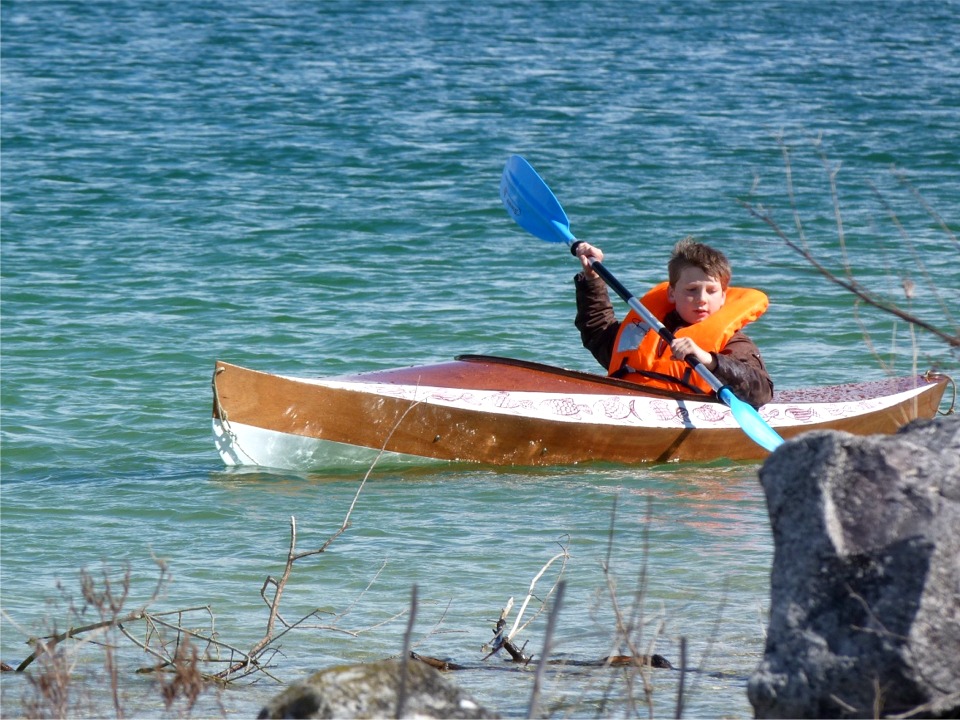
(503, 412)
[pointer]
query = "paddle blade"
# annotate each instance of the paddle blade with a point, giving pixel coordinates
(749, 419)
(531, 203)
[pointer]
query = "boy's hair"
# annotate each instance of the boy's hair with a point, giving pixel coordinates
(690, 253)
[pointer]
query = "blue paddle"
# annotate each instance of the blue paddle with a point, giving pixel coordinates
(535, 208)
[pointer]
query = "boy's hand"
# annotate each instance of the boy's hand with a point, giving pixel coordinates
(585, 251)
(683, 346)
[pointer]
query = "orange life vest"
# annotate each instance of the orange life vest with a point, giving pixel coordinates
(640, 355)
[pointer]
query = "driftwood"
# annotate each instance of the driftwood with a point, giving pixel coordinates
(611, 661)
(518, 659)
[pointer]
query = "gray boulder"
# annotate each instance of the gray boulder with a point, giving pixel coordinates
(865, 587)
(370, 691)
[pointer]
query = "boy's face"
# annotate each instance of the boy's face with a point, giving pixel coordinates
(696, 295)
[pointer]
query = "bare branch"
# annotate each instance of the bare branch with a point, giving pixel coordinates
(944, 308)
(532, 710)
(533, 583)
(293, 556)
(902, 177)
(405, 654)
(46, 644)
(851, 286)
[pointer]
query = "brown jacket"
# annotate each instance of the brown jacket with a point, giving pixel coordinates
(739, 365)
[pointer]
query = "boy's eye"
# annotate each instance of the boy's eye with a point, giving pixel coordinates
(708, 290)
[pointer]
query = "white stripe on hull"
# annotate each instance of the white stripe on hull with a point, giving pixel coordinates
(619, 410)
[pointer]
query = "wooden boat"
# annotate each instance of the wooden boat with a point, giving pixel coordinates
(498, 411)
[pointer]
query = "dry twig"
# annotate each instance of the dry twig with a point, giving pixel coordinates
(849, 283)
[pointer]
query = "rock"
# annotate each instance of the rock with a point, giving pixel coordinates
(370, 691)
(865, 587)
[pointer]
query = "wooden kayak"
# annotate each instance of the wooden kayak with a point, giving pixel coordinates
(504, 412)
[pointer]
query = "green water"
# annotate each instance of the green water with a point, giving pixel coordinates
(311, 188)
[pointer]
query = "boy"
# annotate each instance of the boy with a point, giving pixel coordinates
(694, 305)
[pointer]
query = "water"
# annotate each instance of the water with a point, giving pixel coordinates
(311, 188)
